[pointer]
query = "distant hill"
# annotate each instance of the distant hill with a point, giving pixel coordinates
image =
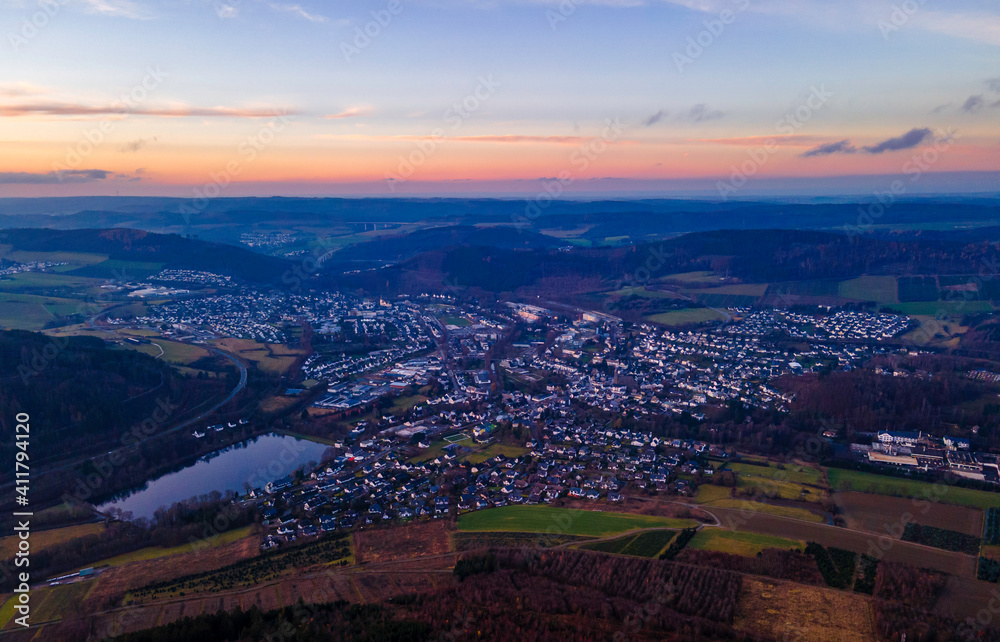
(393, 249)
(173, 251)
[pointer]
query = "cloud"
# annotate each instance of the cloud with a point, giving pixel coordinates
(973, 104)
(224, 10)
(351, 112)
(136, 145)
(49, 178)
(73, 109)
(700, 113)
(994, 85)
(297, 10)
(655, 118)
(116, 8)
(908, 140)
(940, 108)
(840, 147)
(17, 89)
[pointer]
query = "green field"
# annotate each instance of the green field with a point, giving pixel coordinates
(710, 496)
(569, 521)
(881, 289)
(646, 544)
(793, 473)
(40, 540)
(493, 450)
(460, 322)
(941, 308)
(687, 317)
(690, 277)
(740, 542)
(897, 487)
(53, 603)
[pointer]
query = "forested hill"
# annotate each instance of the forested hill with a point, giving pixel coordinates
(172, 250)
(83, 394)
(749, 255)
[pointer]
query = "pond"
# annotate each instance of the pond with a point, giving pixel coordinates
(255, 462)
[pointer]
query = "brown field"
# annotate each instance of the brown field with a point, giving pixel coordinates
(118, 580)
(964, 598)
(383, 545)
(867, 512)
(374, 583)
(271, 358)
(787, 611)
(894, 550)
(40, 540)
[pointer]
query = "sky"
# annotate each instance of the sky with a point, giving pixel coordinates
(502, 97)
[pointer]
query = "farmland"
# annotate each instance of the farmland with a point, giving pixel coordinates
(873, 513)
(644, 544)
(493, 450)
(793, 473)
(882, 289)
(271, 358)
(740, 542)
(687, 317)
(718, 497)
(905, 552)
(412, 540)
(570, 521)
(156, 552)
(40, 540)
(850, 480)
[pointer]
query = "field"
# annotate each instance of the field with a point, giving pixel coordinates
(740, 542)
(569, 521)
(493, 450)
(155, 552)
(174, 352)
(412, 540)
(40, 540)
(867, 512)
(718, 496)
(687, 317)
(476, 540)
(905, 552)
(882, 289)
(57, 602)
(786, 611)
(118, 580)
(945, 308)
(780, 484)
(793, 473)
(690, 277)
(845, 480)
(645, 544)
(271, 358)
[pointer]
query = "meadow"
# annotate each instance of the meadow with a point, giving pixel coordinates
(845, 480)
(740, 542)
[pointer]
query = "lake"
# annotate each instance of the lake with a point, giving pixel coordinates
(255, 461)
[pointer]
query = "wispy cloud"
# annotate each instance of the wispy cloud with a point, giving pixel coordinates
(909, 140)
(48, 178)
(701, 113)
(351, 112)
(297, 10)
(973, 104)
(136, 145)
(18, 89)
(655, 118)
(839, 147)
(73, 109)
(116, 8)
